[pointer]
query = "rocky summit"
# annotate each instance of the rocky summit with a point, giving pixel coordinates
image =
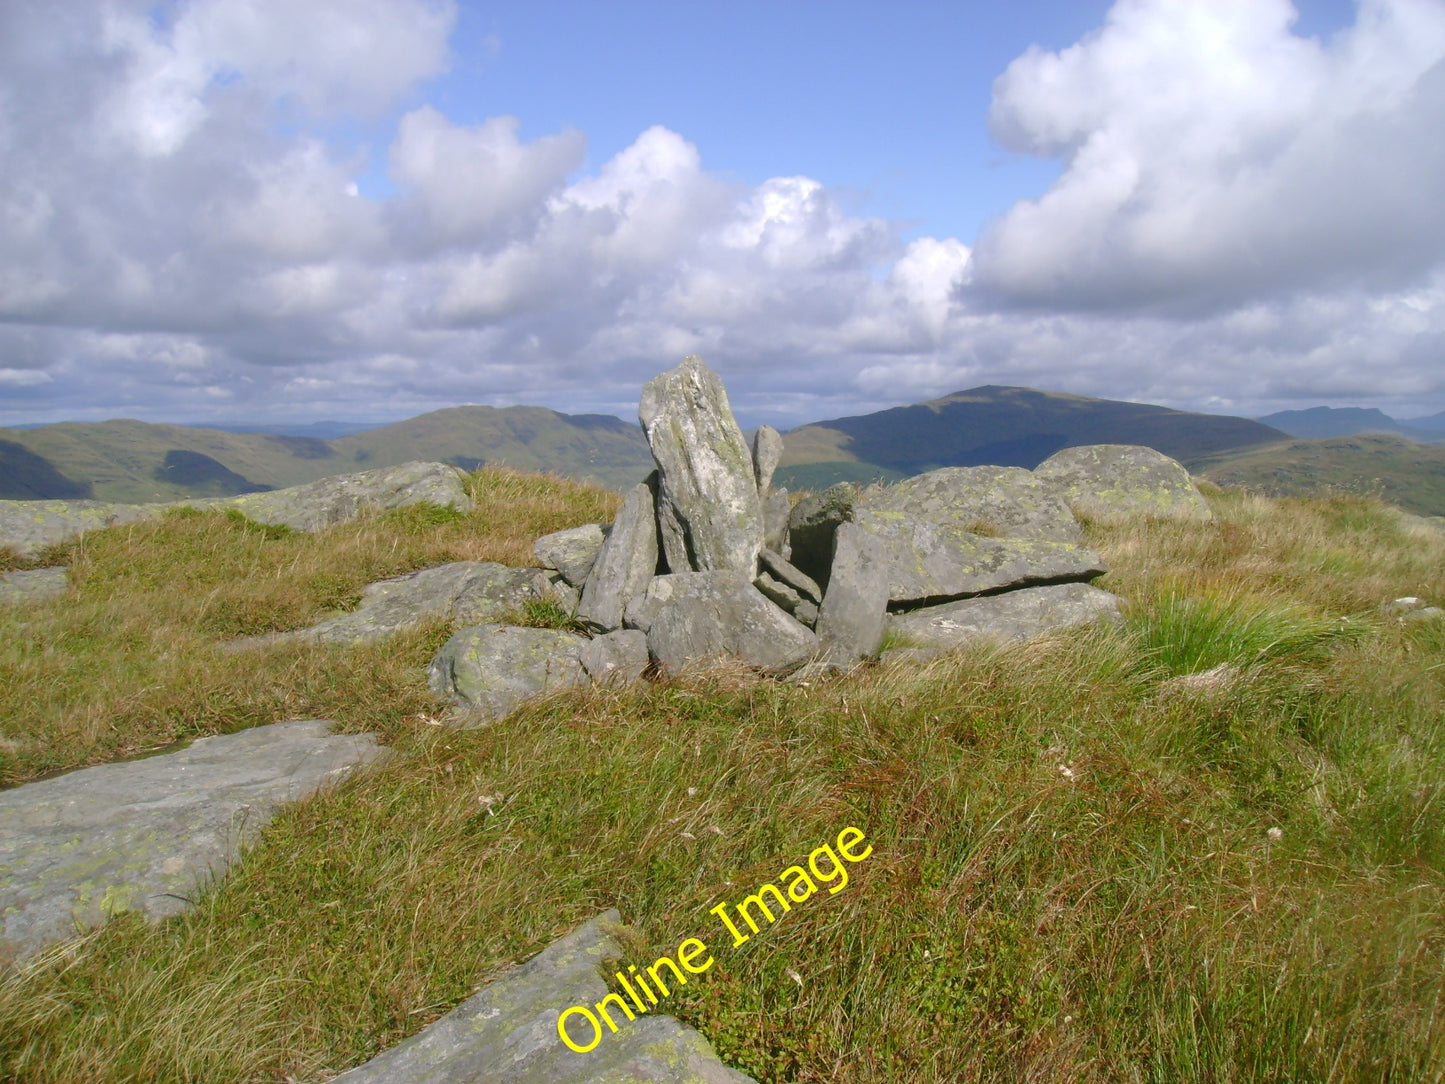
(707, 559)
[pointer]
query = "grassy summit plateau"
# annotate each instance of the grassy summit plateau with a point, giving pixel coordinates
(1205, 845)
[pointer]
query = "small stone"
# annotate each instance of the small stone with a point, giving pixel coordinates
(572, 552)
(493, 668)
(617, 656)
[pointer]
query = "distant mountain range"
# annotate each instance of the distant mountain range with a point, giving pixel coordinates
(139, 461)
(1322, 421)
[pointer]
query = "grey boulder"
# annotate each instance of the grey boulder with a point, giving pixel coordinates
(928, 561)
(149, 834)
(708, 510)
(625, 564)
(851, 619)
(33, 585)
(1112, 481)
(572, 552)
(700, 616)
(493, 668)
(617, 656)
(999, 502)
(507, 1032)
(1014, 615)
(776, 510)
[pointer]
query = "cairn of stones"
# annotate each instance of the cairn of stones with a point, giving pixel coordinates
(708, 559)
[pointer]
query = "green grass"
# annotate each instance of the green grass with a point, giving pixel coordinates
(1074, 876)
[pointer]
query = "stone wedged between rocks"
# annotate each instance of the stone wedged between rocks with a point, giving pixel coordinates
(148, 834)
(692, 617)
(1014, 615)
(507, 1032)
(624, 565)
(571, 552)
(708, 510)
(851, 619)
(30, 526)
(1109, 481)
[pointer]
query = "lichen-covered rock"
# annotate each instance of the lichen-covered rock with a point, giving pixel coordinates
(571, 552)
(811, 524)
(1014, 615)
(618, 656)
(998, 502)
(507, 1032)
(625, 564)
(470, 592)
(329, 501)
(927, 561)
(767, 453)
(1112, 481)
(493, 668)
(851, 620)
(696, 616)
(33, 585)
(708, 510)
(148, 834)
(28, 527)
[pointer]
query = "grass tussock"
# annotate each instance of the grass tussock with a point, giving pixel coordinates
(1084, 867)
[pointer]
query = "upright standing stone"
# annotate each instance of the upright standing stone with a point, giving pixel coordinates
(854, 611)
(709, 514)
(767, 451)
(624, 565)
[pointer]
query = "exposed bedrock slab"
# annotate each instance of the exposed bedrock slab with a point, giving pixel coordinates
(1014, 615)
(1003, 502)
(851, 619)
(148, 834)
(708, 510)
(493, 668)
(507, 1032)
(29, 526)
(928, 561)
(625, 564)
(464, 591)
(33, 585)
(572, 552)
(696, 616)
(1109, 481)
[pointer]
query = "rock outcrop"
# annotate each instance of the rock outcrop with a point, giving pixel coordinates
(507, 1032)
(30, 526)
(1014, 615)
(149, 834)
(1110, 481)
(493, 668)
(34, 585)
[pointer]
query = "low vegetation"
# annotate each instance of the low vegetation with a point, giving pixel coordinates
(1089, 864)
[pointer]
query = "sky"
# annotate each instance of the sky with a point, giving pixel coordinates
(282, 211)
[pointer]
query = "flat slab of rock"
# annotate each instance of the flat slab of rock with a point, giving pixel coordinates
(999, 502)
(928, 561)
(148, 834)
(851, 619)
(698, 616)
(493, 668)
(1014, 615)
(1111, 481)
(709, 513)
(30, 526)
(467, 591)
(33, 585)
(507, 1033)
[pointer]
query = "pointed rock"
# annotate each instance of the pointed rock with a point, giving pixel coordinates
(767, 452)
(708, 511)
(624, 565)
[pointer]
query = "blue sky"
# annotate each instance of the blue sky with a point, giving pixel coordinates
(286, 210)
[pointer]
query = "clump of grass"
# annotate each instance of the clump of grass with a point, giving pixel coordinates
(543, 613)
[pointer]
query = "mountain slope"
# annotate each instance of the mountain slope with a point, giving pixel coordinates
(1391, 468)
(1008, 427)
(1325, 421)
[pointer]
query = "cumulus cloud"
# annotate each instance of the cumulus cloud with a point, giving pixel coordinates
(1213, 157)
(1246, 217)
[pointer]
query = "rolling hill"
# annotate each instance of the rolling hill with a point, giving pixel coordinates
(1325, 421)
(1392, 468)
(1002, 426)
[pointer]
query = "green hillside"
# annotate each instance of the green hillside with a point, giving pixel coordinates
(133, 461)
(1393, 469)
(1012, 427)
